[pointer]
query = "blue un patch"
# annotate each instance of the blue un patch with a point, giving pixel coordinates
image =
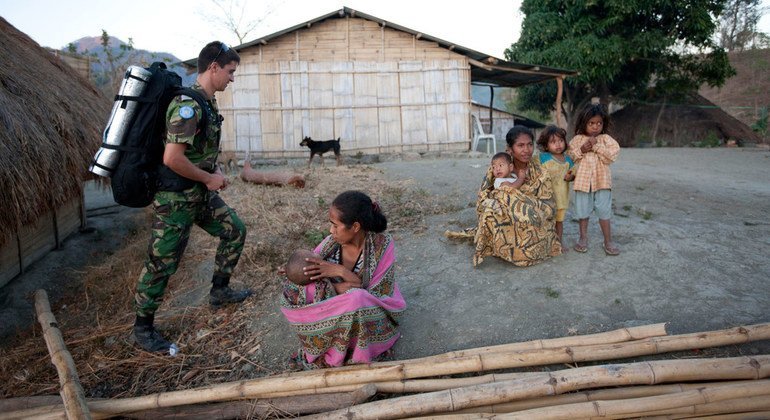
(186, 112)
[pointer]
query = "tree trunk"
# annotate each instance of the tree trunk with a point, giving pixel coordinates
(271, 178)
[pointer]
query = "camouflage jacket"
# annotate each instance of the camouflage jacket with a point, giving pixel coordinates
(182, 117)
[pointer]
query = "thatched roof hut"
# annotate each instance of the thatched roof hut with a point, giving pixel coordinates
(50, 127)
(691, 121)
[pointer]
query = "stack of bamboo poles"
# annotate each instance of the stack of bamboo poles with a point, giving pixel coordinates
(695, 387)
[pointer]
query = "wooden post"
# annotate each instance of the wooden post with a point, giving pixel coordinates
(71, 392)
(559, 87)
(491, 113)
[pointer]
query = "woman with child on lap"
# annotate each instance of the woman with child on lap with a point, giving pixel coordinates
(516, 218)
(344, 302)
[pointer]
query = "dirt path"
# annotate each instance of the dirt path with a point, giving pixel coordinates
(693, 225)
(694, 231)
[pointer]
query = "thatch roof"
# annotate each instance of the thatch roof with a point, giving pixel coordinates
(51, 120)
(689, 121)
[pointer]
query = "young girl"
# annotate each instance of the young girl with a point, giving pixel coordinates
(553, 143)
(593, 151)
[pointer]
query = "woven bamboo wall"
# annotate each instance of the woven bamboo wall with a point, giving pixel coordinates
(32, 242)
(378, 89)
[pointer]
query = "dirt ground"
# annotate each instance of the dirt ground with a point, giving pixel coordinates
(692, 224)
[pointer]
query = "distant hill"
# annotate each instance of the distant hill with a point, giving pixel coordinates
(744, 95)
(92, 47)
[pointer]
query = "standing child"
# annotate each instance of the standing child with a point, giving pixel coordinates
(553, 143)
(593, 151)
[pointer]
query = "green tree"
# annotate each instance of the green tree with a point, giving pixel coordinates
(621, 48)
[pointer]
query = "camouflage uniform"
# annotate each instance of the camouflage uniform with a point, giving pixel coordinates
(176, 212)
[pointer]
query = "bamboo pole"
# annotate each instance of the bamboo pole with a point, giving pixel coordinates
(559, 382)
(597, 395)
(654, 345)
(407, 370)
(635, 407)
(608, 337)
(220, 392)
(303, 404)
(415, 385)
(736, 405)
(71, 391)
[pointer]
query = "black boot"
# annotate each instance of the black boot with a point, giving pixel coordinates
(147, 337)
(222, 294)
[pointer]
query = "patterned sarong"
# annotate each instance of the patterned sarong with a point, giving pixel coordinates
(356, 326)
(517, 226)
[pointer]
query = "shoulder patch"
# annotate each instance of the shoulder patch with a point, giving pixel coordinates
(186, 112)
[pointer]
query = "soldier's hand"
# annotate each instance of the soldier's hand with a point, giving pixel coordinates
(216, 182)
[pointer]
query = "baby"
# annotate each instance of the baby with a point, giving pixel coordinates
(502, 169)
(294, 267)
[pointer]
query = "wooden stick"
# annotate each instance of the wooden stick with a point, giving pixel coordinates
(396, 372)
(71, 392)
(303, 404)
(635, 407)
(559, 382)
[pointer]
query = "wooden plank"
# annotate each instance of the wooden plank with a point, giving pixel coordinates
(10, 265)
(37, 239)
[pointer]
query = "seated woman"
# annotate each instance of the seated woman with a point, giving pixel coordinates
(347, 313)
(516, 222)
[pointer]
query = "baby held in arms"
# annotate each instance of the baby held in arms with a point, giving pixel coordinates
(296, 264)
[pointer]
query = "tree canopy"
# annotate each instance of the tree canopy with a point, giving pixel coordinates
(624, 49)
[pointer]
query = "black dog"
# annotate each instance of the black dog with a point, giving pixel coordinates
(321, 147)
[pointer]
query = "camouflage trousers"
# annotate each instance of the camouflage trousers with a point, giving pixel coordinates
(172, 221)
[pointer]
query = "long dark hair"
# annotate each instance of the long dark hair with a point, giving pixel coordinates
(548, 132)
(355, 206)
(515, 132)
(588, 112)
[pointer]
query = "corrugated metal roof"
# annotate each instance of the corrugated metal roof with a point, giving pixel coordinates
(485, 69)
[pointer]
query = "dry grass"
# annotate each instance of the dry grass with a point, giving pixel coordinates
(216, 346)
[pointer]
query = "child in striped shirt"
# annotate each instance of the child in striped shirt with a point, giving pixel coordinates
(593, 150)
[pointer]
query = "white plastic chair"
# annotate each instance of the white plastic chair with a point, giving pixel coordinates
(478, 134)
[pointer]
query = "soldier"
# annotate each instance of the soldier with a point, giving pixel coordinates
(187, 195)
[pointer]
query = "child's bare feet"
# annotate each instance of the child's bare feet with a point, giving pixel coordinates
(564, 249)
(581, 246)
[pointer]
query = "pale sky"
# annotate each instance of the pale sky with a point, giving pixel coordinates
(179, 26)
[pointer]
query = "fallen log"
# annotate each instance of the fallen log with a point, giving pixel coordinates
(559, 382)
(397, 372)
(71, 391)
(296, 405)
(271, 178)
